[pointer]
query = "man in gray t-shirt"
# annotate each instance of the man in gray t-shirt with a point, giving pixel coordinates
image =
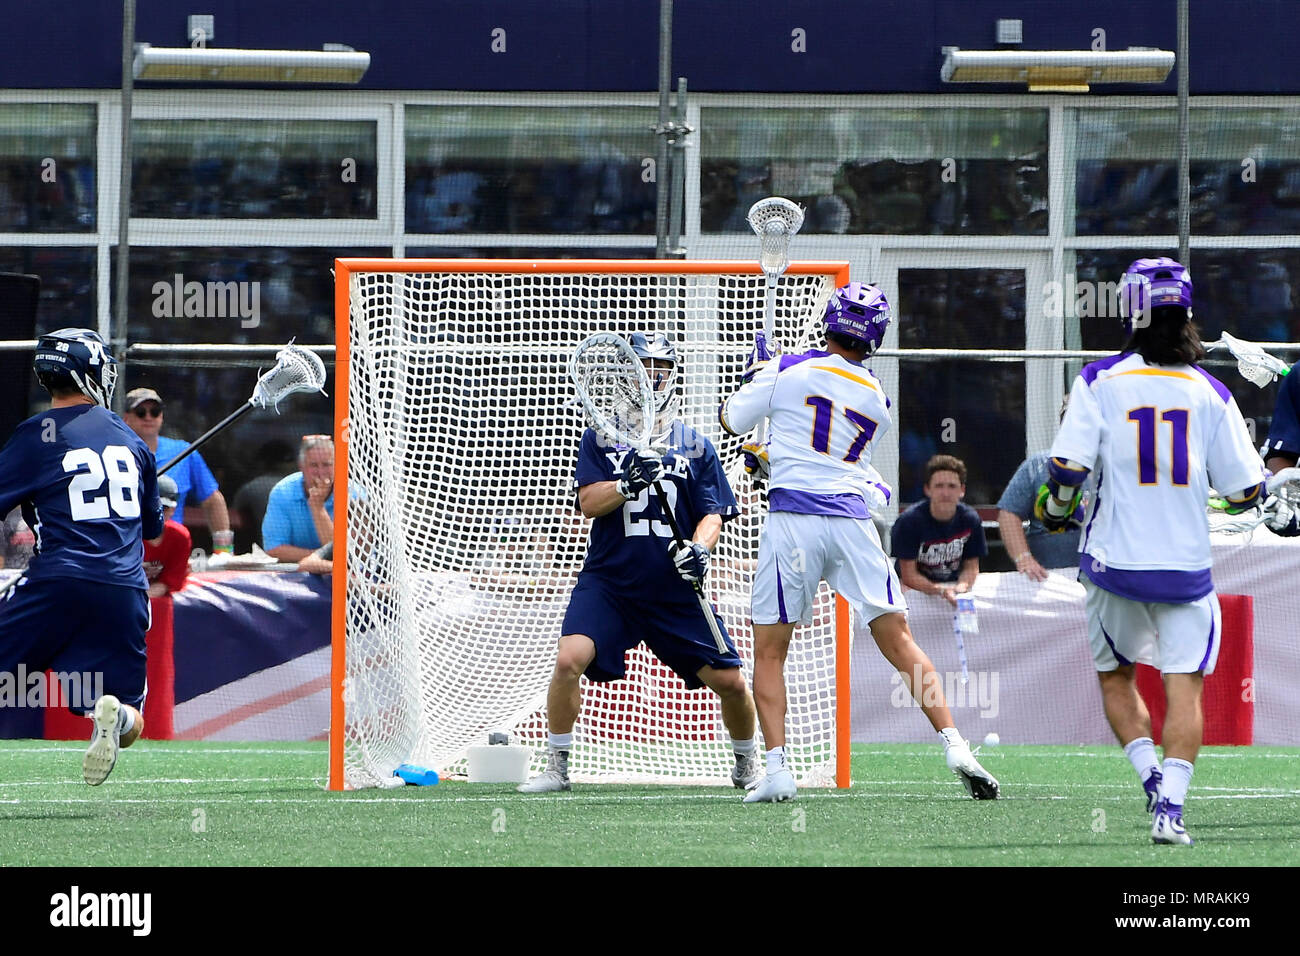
(1035, 550)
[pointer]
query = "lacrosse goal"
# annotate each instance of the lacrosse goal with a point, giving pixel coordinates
(457, 433)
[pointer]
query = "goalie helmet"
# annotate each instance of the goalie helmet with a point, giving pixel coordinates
(858, 312)
(78, 359)
(1152, 284)
(663, 381)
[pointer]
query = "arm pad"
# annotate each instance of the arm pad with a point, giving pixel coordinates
(1245, 500)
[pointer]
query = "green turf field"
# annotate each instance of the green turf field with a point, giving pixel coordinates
(252, 804)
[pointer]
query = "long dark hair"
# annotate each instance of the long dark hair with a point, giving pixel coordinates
(1170, 338)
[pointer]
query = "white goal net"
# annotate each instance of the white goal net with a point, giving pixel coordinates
(461, 535)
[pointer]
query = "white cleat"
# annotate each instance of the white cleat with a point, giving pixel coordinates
(554, 779)
(775, 788)
(979, 783)
(1167, 827)
(101, 755)
(747, 771)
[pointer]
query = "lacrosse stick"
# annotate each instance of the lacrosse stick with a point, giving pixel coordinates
(296, 370)
(1254, 364)
(775, 221)
(619, 402)
(1284, 486)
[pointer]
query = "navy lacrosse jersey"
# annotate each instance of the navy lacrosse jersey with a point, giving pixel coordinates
(629, 546)
(938, 547)
(81, 476)
(1284, 433)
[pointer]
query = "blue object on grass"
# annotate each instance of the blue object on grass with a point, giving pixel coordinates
(420, 776)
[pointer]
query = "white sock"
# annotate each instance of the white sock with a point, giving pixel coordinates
(1141, 754)
(560, 741)
(951, 738)
(1178, 777)
(125, 719)
(776, 760)
(744, 748)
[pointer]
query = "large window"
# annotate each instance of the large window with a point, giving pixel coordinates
(530, 170)
(47, 167)
(1245, 171)
(896, 171)
(254, 169)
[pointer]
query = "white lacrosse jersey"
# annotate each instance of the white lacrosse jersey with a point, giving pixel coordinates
(824, 412)
(1158, 436)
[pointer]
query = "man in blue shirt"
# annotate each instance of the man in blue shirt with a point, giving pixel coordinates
(300, 510)
(87, 486)
(938, 542)
(638, 585)
(194, 480)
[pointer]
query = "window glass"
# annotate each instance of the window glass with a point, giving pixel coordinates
(47, 167)
(530, 170)
(254, 169)
(1244, 175)
(903, 171)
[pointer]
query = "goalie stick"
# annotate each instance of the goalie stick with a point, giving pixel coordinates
(619, 402)
(1255, 365)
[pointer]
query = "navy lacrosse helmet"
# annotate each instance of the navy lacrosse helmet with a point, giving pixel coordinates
(663, 381)
(859, 312)
(79, 359)
(1151, 284)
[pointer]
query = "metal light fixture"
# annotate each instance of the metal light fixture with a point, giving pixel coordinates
(190, 65)
(1056, 71)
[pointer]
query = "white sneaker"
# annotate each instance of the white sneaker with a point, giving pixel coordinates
(775, 788)
(979, 783)
(1167, 827)
(101, 755)
(747, 771)
(553, 779)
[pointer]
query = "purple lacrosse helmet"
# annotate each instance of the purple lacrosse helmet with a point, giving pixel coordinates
(860, 312)
(1149, 284)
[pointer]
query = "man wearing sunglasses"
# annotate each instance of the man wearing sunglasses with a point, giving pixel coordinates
(194, 480)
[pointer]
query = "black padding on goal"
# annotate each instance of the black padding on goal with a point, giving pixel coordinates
(19, 296)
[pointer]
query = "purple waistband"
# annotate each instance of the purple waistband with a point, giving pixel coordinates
(1161, 587)
(847, 505)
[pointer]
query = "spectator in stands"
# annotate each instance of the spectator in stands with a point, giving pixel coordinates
(300, 510)
(167, 557)
(194, 481)
(938, 542)
(16, 541)
(1035, 551)
(249, 505)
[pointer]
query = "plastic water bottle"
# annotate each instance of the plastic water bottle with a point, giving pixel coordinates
(414, 774)
(967, 621)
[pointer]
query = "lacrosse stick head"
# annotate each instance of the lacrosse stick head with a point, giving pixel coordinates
(296, 369)
(859, 312)
(614, 390)
(1149, 284)
(1285, 485)
(1255, 365)
(775, 221)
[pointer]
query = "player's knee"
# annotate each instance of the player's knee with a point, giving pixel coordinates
(729, 684)
(576, 652)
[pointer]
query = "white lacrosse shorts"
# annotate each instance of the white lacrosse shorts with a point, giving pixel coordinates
(798, 551)
(1173, 638)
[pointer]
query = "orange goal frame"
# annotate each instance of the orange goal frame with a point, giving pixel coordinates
(343, 269)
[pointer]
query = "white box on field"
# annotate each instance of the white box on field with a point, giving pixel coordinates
(497, 764)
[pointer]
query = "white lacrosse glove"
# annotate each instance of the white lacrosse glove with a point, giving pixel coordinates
(1283, 518)
(691, 559)
(641, 469)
